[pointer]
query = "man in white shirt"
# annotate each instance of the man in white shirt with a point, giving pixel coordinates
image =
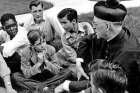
(13, 37)
(50, 36)
(12, 34)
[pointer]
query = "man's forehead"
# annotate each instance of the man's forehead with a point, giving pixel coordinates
(96, 19)
(10, 21)
(63, 19)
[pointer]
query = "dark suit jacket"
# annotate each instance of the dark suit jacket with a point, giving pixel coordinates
(123, 49)
(91, 47)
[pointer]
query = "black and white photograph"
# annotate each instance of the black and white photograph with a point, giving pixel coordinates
(69, 46)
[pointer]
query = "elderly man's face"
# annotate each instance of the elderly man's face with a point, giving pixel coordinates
(100, 27)
(37, 12)
(11, 27)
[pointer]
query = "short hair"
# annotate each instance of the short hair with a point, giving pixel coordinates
(5, 17)
(69, 13)
(33, 35)
(35, 3)
(109, 76)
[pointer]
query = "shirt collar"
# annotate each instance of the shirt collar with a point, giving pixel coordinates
(33, 22)
(119, 37)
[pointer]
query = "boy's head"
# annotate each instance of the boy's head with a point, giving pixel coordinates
(108, 77)
(108, 16)
(36, 8)
(9, 24)
(34, 37)
(68, 18)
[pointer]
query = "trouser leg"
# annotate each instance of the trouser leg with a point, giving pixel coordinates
(25, 84)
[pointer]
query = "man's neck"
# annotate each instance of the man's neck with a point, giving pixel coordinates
(114, 33)
(38, 21)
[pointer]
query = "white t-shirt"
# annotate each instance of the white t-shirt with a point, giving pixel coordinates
(18, 41)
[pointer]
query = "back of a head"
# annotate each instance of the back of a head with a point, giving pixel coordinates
(69, 13)
(35, 3)
(110, 10)
(33, 35)
(6, 17)
(108, 76)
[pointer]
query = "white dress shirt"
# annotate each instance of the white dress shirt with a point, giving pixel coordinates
(18, 41)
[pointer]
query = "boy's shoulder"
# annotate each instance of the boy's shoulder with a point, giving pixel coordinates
(24, 50)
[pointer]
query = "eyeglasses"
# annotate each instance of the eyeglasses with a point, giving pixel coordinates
(95, 24)
(8, 27)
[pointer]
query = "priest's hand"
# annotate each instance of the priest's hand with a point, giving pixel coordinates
(80, 71)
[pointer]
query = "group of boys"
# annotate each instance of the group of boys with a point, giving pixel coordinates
(35, 58)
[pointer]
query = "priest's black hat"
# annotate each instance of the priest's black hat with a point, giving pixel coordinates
(110, 10)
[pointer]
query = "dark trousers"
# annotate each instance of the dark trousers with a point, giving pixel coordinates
(13, 82)
(35, 86)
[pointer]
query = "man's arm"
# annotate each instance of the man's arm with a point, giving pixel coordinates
(82, 53)
(67, 50)
(4, 69)
(47, 55)
(77, 86)
(73, 86)
(8, 84)
(5, 74)
(19, 40)
(84, 45)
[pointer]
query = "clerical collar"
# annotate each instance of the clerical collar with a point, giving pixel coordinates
(111, 38)
(118, 36)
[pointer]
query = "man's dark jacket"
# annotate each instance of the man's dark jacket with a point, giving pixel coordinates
(91, 47)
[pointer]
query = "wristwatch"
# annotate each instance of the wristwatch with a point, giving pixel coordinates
(9, 83)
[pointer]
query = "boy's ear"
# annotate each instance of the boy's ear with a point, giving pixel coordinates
(74, 21)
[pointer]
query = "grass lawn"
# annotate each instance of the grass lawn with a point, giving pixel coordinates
(17, 6)
(132, 20)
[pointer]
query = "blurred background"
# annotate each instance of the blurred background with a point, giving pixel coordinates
(132, 21)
